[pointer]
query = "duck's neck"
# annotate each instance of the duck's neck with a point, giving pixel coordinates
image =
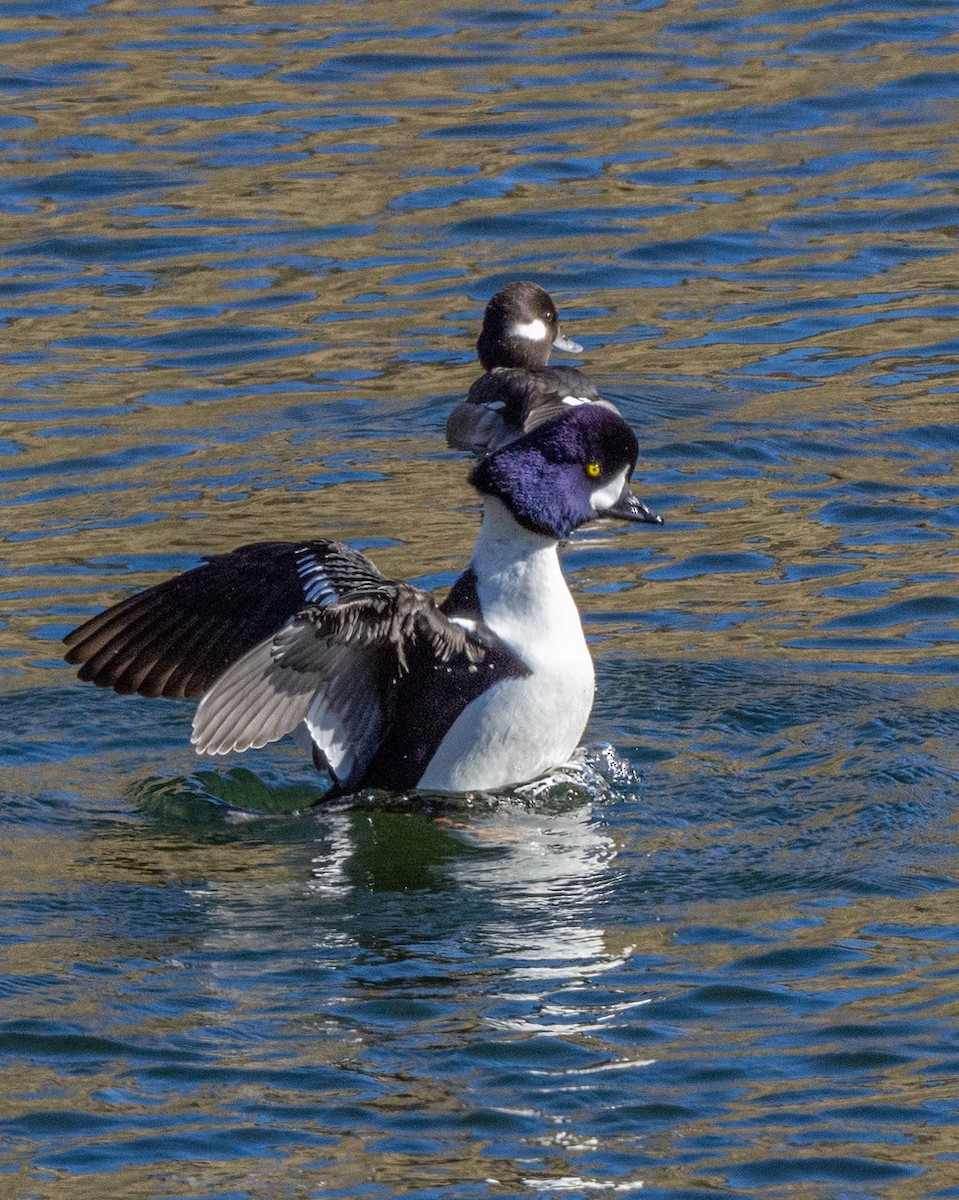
(521, 589)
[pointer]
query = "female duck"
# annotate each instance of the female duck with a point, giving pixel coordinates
(519, 389)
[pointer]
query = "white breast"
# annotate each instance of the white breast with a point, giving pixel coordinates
(520, 728)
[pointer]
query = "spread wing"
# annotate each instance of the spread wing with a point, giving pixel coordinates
(509, 401)
(177, 639)
(270, 635)
(336, 667)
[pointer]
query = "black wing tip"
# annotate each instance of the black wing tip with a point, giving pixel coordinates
(102, 680)
(76, 637)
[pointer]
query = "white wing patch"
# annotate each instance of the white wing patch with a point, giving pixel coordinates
(317, 587)
(346, 723)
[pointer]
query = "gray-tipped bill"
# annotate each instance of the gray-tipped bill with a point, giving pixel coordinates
(629, 508)
(562, 342)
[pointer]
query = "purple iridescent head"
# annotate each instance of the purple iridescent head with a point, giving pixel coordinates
(566, 472)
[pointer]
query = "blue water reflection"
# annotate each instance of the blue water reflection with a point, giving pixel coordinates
(247, 251)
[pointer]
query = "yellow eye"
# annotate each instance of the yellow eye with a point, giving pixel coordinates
(594, 470)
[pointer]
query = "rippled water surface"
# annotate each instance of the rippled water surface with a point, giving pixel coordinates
(245, 252)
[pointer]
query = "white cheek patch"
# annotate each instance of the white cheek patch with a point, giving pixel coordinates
(607, 495)
(574, 400)
(533, 331)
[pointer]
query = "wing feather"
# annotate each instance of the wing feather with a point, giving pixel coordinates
(252, 704)
(507, 402)
(336, 668)
(270, 635)
(150, 678)
(144, 643)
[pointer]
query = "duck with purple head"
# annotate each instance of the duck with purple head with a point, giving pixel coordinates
(488, 689)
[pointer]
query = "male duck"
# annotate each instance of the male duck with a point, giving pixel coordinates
(490, 688)
(519, 390)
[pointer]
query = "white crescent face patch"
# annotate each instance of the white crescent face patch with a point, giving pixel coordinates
(533, 331)
(607, 495)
